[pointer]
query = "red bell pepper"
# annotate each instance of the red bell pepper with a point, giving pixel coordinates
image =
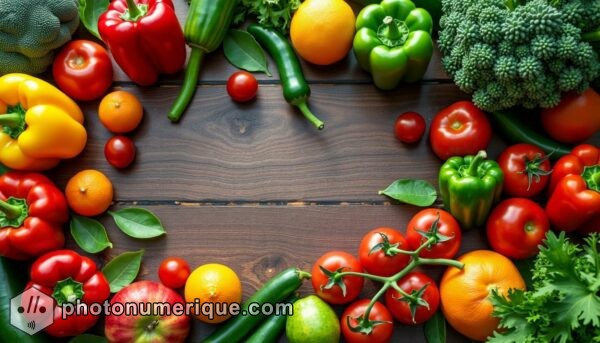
(144, 37)
(575, 200)
(68, 277)
(32, 212)
(581, 156)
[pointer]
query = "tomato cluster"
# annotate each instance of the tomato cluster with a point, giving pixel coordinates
(387, 256)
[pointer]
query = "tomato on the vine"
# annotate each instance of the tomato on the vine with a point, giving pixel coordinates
(380, 327)
(422, 304)
(342, 290)
(242, 86)
(458, 130)
(378, 251)
(526, 170)
(173, 272)
(119, 151)
(516, 227)
(434, 222)
(409, 127)
(83, 70)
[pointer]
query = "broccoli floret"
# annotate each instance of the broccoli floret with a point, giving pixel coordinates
(527, 52)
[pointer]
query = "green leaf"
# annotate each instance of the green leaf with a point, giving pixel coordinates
(244, 52)
(123, 269)
(413, 192)
(89, 234)
(138, 223)
(89, 12)
(3, 169)
(87, 338)
(435, 328)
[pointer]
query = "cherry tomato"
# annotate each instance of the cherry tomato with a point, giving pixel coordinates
(516, 227)
(333, 261)
(411, 284)
(458, 130)
(83, 70)
(526, 170)
(242, 86)
(446, 226)
(376, 251)
(409, 127)
(381, 333)
(575, 119)
(173, 272)
(119, 151)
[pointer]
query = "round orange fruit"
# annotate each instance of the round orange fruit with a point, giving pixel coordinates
(120, 112)
(465, 293)
(89, 192)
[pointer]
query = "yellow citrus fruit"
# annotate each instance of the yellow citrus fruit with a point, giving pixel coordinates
(120, 112)
(214, 285)
(89, 192)
(465, 293)
(322, 31)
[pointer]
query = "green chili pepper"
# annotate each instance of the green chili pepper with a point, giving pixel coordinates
(295, 88)
(469, 187)
(393, 42)
(205, 28)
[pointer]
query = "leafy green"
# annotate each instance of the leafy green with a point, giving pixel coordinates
(413, 192)
(435, 328)
(276, 14)
(243, 51)
(564, 303)
(89, 12)
(138, 223)
(89, 234)
(123, 269)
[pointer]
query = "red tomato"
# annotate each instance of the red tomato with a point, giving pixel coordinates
(381, 333)
(446, 225)
(119, 151)
(242, 86)
(409, 127)
(526, 170)
(83, 70)
(383, 260)
(400, 307)
(173, 272)
(333, 261)
(516, 227)
(575, 119)
(458, 130)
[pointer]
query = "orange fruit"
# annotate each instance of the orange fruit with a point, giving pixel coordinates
(215, 284)
(322, 31)
(464, 293)
(89, 192)
(120, 112)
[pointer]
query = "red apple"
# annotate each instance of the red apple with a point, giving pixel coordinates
(160, 315)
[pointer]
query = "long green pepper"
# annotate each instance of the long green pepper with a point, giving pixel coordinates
(205, 28)
(469, 187)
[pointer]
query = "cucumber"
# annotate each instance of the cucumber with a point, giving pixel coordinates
(514, 130)
(274, 291)
(272, 328)
(13, 278)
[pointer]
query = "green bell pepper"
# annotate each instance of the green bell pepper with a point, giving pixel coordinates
(469, 187)
(393, 42)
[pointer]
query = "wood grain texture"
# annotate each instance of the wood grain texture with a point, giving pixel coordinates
(259, 241)
(266, 151)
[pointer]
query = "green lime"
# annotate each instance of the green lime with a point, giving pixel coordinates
(313, 321)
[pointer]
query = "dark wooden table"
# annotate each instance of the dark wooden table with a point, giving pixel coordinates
(255, 186)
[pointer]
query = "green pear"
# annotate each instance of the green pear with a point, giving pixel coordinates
(313, 321)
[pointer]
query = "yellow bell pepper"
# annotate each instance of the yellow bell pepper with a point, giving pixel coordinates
(40, 125)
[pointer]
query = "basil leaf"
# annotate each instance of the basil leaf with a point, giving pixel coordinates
(244, 52)
(138, 223)
(87, 338)
(89, 12)
(413, 192)
(123, 269)
(89, 234)
(435, 329)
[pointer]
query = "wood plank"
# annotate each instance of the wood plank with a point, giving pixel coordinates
(296, 237)
(265, 151)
